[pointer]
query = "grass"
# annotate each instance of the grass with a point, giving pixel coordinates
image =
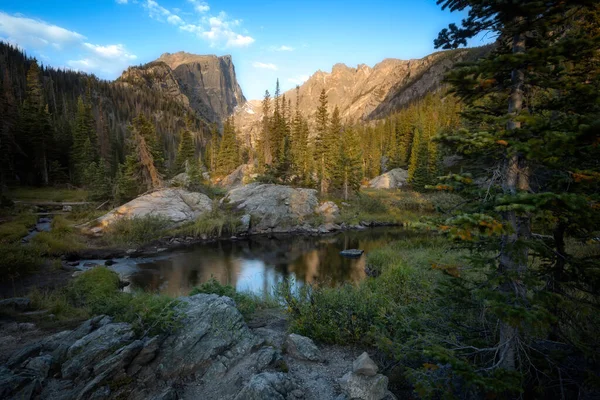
(247, 303)
(17, 226)
(395, 206)
(97, 292)
(23, 193)
(18, 260)
(367, 313)
(62, 238)
(136, 231)
(216, 223)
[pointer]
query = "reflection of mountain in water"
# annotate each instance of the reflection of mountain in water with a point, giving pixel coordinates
(260, 262)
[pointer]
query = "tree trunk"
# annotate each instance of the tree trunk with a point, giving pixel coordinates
(513, 257)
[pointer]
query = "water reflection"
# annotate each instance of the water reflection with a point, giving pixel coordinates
(259, 263)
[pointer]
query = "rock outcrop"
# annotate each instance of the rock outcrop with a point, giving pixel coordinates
(393, 179)
(213, 354)
(175, 205)
(274, 208)
(205, 83)
(240, 176)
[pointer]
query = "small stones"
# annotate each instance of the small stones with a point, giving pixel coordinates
(363, 387)
(302, 348)
(352, 253)
(364, 382)
(364, 365)
(16, 303)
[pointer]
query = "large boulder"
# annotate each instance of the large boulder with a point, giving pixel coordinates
(274, 208)
(175, 205)
(212, 338)
(393, 179)
(240, 176)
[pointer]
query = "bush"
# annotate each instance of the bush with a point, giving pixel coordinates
(97, 292)
(136, 231)
(216, 223)
(18, 260)
(247, 303)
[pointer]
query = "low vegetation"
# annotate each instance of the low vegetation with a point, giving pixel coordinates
(395, 206)
(16, 226)
(247, 303)
(136, 231)
(216, 223)
(60, 240)
(97, 292)
(55, 194)
(18, 260)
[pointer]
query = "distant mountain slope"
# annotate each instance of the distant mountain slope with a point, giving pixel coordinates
(365, 93)
(206, 83)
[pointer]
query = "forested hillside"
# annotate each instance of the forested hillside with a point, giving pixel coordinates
(56, 122)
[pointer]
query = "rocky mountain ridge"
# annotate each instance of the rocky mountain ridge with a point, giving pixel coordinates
(205, 83)
(365, 93)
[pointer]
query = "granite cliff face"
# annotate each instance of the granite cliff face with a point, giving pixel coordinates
(207, 84)
(364, 93)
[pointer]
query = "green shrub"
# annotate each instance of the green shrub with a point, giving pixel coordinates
(216, 223)
(136, 231)
(97, 292)
(247, 303)
(18, 260)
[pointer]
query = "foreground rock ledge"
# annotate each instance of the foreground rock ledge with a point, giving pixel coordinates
(214, 355)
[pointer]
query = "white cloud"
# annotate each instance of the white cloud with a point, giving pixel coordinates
(218, 30)
(112, 51)
(299, 80)
(121, 1)
(283, 48)
(35, 33)
(258, 64)
(200, 6)
(156, 11)
(175, 20)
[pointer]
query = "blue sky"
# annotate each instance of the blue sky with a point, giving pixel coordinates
(289, 40)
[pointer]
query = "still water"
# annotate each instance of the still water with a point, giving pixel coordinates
(258, 263)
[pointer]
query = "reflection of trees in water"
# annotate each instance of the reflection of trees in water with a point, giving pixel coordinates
(263, 261)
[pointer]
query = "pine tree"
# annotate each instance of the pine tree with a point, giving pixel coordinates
(418, 171)
(186, 152)
(228, 158)
(265, 141)
(525, 107)
(321, 141)
(83, 151)
(36, 133)
(348, 172)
